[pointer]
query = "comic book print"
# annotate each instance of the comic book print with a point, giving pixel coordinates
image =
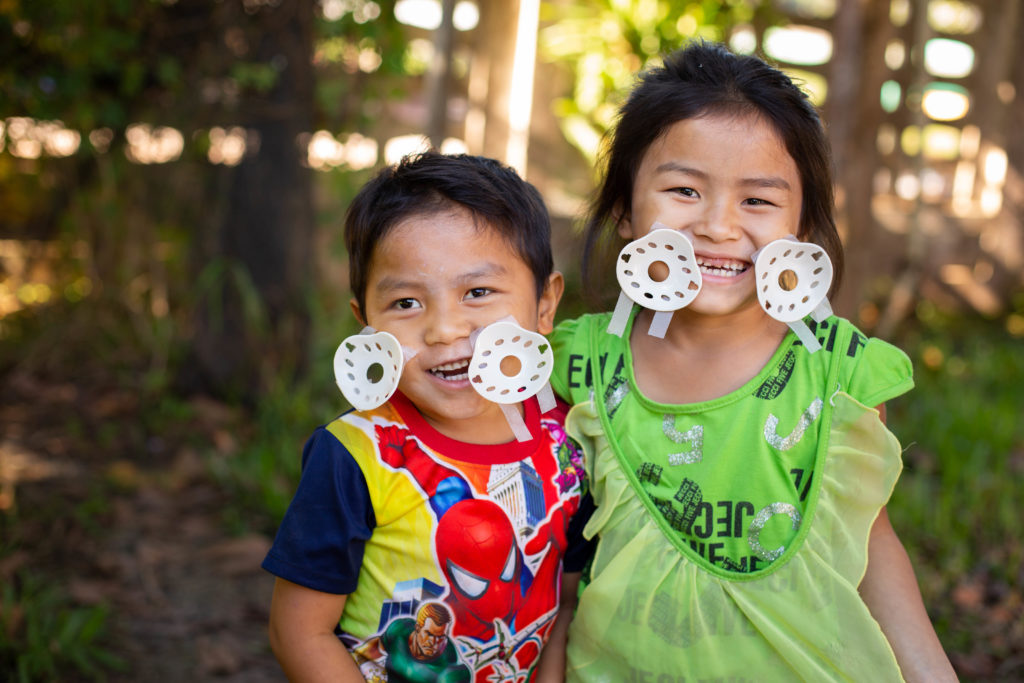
(499, 550)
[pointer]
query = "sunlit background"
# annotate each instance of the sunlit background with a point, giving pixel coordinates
(139, 212)
(930, 151)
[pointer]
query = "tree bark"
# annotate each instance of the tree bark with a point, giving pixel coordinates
(253, 319)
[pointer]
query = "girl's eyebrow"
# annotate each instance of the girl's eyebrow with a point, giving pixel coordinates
(675, 167)
(776, 182)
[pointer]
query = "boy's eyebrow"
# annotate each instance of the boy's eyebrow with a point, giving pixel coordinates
(759, 181)
(388, 283)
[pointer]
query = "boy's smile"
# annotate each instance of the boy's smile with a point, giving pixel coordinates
(433, 280)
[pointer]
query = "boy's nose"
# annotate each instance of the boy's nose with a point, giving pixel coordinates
(446, 325)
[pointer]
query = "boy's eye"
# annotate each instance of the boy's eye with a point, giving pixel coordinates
(406, 304)
(478, 292)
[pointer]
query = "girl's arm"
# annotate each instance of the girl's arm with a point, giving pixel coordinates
(889, 589)
(302, 623)
(551, 668)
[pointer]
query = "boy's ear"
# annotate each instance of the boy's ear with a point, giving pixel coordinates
(548, 303)
(356, 311)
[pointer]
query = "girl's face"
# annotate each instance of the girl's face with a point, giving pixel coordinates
(728, 184)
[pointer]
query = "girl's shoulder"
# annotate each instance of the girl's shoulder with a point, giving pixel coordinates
(871, 370)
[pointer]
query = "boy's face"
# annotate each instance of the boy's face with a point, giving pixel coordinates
(433, 280)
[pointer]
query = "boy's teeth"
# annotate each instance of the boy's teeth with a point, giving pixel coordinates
(452, 371)
(453, 366)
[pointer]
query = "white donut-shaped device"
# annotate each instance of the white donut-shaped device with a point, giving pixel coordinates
(671, 248)
(793, 278)
(367, 368)
(494, 345)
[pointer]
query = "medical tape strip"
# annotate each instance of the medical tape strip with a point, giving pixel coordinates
(620, 316)
(494, 344)
(360, 353)
(678, 289)
(793, 279)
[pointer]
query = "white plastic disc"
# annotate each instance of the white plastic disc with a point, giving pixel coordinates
(367, 368)
(495, 344)
(793, 279)
(671, 248)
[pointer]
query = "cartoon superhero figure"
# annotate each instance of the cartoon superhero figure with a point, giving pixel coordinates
(477, 547)
(415, 650)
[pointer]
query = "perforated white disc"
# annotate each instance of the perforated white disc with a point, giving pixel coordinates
(793, 278)
(367, 368)
(498, 342)
(670, 247)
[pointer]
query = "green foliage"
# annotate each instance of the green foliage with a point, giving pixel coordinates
(263, 475)
(606, 43)
(956, 505)
(78, 62)
(44, 637)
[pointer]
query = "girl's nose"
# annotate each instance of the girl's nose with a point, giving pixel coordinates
(719, 222)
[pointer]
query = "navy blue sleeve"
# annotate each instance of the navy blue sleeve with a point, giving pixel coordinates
(580, 549)
(321, 539)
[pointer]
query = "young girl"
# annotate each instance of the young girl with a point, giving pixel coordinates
(740, 479)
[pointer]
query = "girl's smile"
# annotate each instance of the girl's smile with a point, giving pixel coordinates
(729, 184)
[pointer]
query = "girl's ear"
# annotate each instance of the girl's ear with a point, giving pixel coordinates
(548, 303)
(356, 311)
(624, 225)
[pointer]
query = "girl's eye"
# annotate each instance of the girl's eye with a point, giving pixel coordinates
(406, 304)
(477, 292)
(686, 191)
(754, 201)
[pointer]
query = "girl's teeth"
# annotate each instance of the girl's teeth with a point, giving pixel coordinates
(726, 271)
(721, 272)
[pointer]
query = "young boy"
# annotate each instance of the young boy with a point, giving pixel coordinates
(398, 559)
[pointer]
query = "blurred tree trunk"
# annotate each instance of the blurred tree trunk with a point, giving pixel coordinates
(491, 77)
(440, 70)
(253, 317)
(854, 115)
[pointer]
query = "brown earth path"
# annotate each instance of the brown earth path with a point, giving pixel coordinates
(136, 524)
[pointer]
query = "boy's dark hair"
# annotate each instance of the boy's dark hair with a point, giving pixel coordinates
(431, 182)
(698, 80)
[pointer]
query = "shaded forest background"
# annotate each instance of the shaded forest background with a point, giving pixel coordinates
(173, 176)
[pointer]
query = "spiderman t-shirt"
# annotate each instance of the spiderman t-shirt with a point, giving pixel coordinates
(460, 546)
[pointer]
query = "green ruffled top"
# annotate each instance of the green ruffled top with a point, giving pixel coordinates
(732, 533)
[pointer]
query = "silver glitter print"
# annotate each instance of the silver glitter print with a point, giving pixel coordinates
(693, 436)
(784, 444)
(758, 523)
(615, 398)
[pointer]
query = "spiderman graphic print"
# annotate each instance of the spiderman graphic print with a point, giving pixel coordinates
(459, 541)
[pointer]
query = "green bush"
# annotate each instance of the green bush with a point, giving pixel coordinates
(44, 637)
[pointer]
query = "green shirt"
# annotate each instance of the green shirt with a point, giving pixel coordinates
(733, 532)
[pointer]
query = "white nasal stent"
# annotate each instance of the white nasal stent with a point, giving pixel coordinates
(681, 285)
(509, 365)
(367, 367)
(793, 279)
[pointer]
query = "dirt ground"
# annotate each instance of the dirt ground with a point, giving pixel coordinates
(134, 523)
